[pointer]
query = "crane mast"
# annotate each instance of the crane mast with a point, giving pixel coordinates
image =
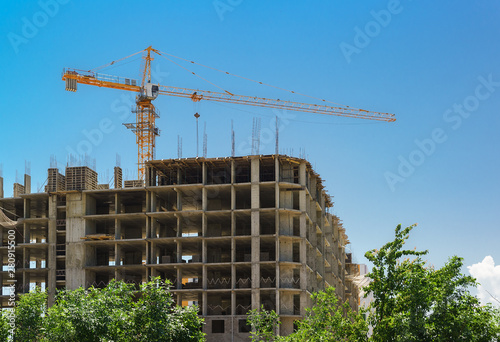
(145, 117)
(146, 114)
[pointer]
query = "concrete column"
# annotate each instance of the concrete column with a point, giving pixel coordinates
(204, 173)
(233, 304)
(302, 173)
(148, 201)
(233, 225)
(233, 198)
(118, 203)
(27, 207)
(153, 201)
(27, 184)
(233, 171)
(75, 251)
(26, 233)
(148, 233)
(118, 254)
(233, 250)
(179, 252)
(179, 278)
(255, 231)
(118, 229)
(51, 252)
(204, 309)
(204, 199)
(148, 257)
(204, 280)
(154, 228)
(303, 252)
(179, 226)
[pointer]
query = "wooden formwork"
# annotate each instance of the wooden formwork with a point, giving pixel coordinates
(136, 183)
(81, 178)
(55, 181)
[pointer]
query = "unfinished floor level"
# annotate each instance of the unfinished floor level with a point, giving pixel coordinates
(231, 234)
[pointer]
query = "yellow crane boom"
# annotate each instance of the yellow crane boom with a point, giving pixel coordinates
(145, 128)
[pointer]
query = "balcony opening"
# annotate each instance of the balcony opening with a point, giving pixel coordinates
(243, 197)
(219, 277)
(218, 225)
(218, 173)
(219, 303)
(243, 277)
(191, 225)
(243, 251)
(242, 171)
(165, 227)
(243, 303)
(267, 249)
(267, 171)
(191, 251)
(219, 198)
(268, 300)
(243, 224)
(267, 276)
(191, 199)
(166, 200)
(267, 196)
(191, 277)
(218, 251)
(191, 175)
(133, 228)
(166, 253)
(267, 223)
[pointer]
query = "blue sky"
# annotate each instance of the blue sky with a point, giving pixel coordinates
(433, 64)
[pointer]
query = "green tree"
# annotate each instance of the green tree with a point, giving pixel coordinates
(91, 315)
(264, 324)
(29, 311)
(4, 327)
(119, 312)
(415, 302)
(327, 320)
(156, 318)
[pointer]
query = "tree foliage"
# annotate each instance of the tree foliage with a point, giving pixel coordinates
(412, 302)
(118, 312)
(264, 324)
(327, 320)
(415, 302)
(29, 313)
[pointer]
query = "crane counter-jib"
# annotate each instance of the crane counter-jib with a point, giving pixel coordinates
(100, 80)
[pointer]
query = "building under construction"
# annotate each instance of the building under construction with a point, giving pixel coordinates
(231, 234)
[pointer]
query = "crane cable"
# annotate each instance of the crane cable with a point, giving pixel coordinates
(113, 62)
(195, 74)
(249, 79)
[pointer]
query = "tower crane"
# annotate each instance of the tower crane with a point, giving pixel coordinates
(145, 128)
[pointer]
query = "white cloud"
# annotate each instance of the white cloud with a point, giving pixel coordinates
(488, 276)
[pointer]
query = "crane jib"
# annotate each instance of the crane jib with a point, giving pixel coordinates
(123, 83)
